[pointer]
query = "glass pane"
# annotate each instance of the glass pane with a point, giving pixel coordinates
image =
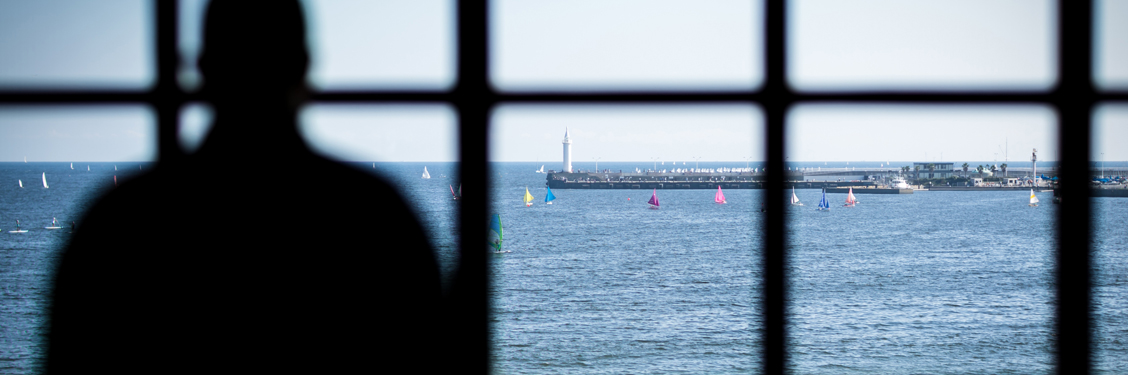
(934, 264)
(72, 154)
(358, 44)
(195, 123)
(596, 45)
(1110, 237)
(67, 44)
(593, 278)
(1110, 44)
(398, 143)
(934, 45)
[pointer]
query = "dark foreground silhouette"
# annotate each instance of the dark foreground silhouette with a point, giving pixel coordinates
(254, 254)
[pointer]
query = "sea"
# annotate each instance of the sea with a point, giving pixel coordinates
(598, 283)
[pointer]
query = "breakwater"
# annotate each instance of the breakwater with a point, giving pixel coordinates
(683, 180)
(867, 190)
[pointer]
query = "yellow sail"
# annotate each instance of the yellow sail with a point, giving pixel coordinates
(528, 197)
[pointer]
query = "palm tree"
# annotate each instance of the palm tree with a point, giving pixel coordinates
(1004, 168)
(931, 169)
(979, 169)
(965, 168)
(993, 168)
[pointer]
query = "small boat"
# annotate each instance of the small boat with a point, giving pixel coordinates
(18, 230)
(54, 224)
(795, 198)
(528, 197)
(1033, 199)
(72, 166)
(455, 196)
(824, 205)
(653, 200)
(426, 175)
(719, 197)
(850, 200)
(45, 180)
(548, 196)
(88, 168)
(21, 183)
(541, 170)
(497, 235)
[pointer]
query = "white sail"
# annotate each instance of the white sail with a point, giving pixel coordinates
(21, 183)
(72, 166)
(44, 180)
(795, 198)
(425, 174)
(1033, 198)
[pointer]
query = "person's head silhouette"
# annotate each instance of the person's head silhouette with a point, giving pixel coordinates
(254, 62)
(253, 51)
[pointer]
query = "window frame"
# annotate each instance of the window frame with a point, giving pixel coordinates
(1074, 98)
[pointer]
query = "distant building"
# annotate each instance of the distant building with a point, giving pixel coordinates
(940, 170)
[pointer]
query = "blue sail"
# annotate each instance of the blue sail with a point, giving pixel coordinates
(548, 197)
(824, 205)
(496, 235)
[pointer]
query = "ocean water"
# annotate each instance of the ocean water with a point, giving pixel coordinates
(933, 282)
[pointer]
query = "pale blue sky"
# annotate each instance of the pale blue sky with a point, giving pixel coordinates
(590, 45)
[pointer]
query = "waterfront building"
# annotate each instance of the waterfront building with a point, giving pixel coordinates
(940, 170)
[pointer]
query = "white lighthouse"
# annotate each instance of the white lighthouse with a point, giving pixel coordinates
(567, 152)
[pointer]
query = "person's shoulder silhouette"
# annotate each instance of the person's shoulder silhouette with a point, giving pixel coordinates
(254, 253)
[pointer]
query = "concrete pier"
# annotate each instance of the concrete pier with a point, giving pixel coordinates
(682, 180)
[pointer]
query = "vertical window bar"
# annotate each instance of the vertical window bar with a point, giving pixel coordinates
(1074, 99)
(774, 306)
(166, 96)
(473, 99)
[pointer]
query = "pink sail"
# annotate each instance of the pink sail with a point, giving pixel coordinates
(654, 198)
(850, 200)
(720, 197)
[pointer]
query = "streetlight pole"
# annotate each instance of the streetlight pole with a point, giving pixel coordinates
(655, 160)
(597, 163)
(696, 162)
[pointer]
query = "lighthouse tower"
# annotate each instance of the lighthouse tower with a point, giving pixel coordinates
(567, 152)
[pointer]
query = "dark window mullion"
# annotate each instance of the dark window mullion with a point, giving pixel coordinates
(1074, 100)
(166, 95)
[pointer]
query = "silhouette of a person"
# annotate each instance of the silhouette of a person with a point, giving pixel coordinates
(164, 275)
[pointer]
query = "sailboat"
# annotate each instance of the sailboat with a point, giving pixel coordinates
(795, 198)
(528, 197)
(54, 224)
(88, 168)
(425, 174)
(21, 183)
(653, 200)
(850, 200)
(45, 180)
(824, 205)
(72, 166)
(541, 170)
(496, 235)
(18, 230)
(1033, 199)
(549, 197)
(720, 197)
(455, 196)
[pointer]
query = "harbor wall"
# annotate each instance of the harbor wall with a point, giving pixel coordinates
(656, 180)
